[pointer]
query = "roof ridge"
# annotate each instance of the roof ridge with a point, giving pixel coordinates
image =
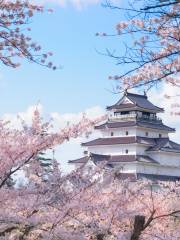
(135, 94)
(98, 154)
(173, 142)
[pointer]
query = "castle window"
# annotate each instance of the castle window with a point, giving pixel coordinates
(160, 135)
(124, 113)
(127, 151)
(112, 134)
(147, 134)
(127, 133)
(85, 153)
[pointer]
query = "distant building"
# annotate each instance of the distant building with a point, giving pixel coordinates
(135, 141)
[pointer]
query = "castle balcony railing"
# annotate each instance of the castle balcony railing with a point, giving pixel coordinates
(154, 119)
(134, 116)
(119, 117)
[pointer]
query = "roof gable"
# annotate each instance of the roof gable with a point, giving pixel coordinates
(164, 144)
(167, 145)
(142, 101)
(125, 100)
(135, 100)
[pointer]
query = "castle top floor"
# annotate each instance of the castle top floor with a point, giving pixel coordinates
(134, 106)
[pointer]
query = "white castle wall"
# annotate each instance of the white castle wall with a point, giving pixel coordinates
(133, 131)
(119, 132)
(157, 170)
(145, 168)
(151, 133)
(165, 158)
(169, 162)
(119, 149)
(113, 149)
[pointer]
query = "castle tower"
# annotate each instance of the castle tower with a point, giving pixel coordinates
(135, 141)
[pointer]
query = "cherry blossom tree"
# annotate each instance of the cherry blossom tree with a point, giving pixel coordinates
(152, 52)
(89, 203)
(19, 150)
(19, 147)
(85, 205)
(14, 39)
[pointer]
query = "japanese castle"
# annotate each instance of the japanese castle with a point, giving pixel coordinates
(135, 141)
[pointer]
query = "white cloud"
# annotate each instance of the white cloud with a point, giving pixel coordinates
(78, 4)
(158, 98)
(15, 119)
(69, 150)
(69, 118)
(81, 3)
(72, 149)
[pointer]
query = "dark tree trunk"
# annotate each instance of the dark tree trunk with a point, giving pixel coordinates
(139, 222)
(100, 236)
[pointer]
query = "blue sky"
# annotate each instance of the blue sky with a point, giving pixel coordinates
(83, 80)
(82, 84)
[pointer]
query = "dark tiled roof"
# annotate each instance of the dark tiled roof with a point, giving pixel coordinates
(119, 140)
(144, 158)
(145, 140)
(139, 123)
(116, 124)
(158, 144)
(110, 141)
(80, 160)
(160, 126)
(122, 106)
(155, 177)
(124, 176)
(164, 144)
(122, 158)
(140, 101)
(114, 159)
(175, 145)
(155, 144)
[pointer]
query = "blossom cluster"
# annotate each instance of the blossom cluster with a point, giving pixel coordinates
(14, 40)
(155, 53)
